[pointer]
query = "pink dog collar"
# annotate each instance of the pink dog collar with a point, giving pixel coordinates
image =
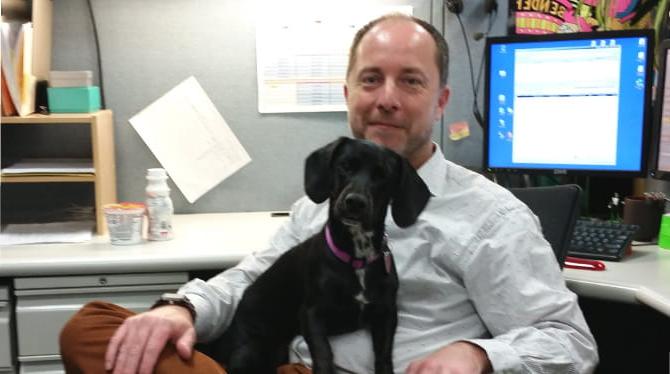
(356, 263)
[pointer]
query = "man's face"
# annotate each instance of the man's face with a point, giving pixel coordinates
(393, 91)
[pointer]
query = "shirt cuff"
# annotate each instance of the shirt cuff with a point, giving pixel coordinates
(502, 357)
(204, 315)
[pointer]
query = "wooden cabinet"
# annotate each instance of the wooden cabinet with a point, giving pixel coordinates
(100, 150)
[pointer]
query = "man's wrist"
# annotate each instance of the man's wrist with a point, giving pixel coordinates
(483, 357)
(177, 300)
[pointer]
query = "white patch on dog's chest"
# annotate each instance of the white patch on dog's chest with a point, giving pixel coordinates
(360, 297)
(363, 247)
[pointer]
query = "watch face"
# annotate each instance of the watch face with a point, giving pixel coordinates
(172, 297)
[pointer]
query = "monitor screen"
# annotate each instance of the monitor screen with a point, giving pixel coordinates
(660, 167)
(569, 103)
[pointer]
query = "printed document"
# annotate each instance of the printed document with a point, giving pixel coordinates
(190, 138)
(301, 57)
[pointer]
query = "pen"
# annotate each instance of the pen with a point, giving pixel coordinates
(583, 264)
(279, 214)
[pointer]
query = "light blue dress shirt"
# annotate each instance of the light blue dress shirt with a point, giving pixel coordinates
(474, 267)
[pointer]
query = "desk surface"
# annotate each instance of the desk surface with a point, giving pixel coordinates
(220, 240)
(642, 277)
(201, 242)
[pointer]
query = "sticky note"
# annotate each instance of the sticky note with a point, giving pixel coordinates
(459, 130)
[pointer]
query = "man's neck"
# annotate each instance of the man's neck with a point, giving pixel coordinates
(422, 157)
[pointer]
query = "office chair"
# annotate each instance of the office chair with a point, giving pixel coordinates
(557, 207)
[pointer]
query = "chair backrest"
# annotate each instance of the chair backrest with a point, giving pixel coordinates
(557, 207)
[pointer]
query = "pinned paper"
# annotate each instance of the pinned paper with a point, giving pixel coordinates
(190, 138)
(459, 130)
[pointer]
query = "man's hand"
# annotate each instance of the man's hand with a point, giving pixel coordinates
(456, 358)
(136, 345)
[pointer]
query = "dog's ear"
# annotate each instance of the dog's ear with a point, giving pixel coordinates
(410, 195)
(318, 171)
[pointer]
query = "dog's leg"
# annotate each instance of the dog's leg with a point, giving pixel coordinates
(316, 336)
(251, 359)
(382, 327)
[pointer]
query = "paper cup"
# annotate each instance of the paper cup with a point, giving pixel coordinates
(124, 221)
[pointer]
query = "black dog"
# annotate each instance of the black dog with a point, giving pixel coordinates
(339, 280)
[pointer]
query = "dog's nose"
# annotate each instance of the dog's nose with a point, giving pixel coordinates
(355, 203)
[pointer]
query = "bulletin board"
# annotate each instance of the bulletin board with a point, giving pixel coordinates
(562, 16)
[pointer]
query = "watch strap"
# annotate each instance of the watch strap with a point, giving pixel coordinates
(180, 300)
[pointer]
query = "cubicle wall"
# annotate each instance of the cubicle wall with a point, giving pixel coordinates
(150, 46)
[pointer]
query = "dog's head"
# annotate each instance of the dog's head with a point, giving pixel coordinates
(361, 178)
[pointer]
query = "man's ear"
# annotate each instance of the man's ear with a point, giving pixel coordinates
(442, 102)
(318, 171)
(410, 195)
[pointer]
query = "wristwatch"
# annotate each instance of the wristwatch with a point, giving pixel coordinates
(176, 299)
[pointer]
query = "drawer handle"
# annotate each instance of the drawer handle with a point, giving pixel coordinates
(102, 281)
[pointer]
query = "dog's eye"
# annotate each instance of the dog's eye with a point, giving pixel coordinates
(348, 166)
(379, 173)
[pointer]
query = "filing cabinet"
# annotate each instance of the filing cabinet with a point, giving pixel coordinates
(44, 304)
(6, 325)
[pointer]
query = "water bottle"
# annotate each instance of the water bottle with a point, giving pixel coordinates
(159, 205)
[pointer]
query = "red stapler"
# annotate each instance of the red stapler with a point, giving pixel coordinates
(584, 264)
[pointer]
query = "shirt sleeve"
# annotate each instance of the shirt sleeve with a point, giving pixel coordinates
(520, 295)
(216, 299)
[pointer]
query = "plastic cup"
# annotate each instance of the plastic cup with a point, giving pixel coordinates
(124, 221)
(664, 234)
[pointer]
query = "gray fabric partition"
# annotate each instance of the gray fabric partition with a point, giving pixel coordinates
(149, 46)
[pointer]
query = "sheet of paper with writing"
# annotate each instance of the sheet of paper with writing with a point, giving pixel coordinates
(190, 138)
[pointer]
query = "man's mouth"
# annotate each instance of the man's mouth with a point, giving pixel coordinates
(384, 124)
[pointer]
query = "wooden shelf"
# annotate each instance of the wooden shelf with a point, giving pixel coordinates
(13, 178)
(56, 118)
(102, 146)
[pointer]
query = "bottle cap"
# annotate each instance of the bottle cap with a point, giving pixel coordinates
(156, 173)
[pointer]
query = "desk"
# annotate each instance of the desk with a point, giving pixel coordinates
(201, 242)
(643, 277)
(50, 281)
(220, 240)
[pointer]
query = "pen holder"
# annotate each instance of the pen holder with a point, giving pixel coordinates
(646, 213)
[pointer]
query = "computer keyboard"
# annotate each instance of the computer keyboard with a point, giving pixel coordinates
(601, 240)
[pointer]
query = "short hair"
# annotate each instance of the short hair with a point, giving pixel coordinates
(441, 55)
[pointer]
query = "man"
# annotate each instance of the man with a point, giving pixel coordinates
(480, 289)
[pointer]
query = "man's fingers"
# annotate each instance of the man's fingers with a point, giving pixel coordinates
(137, 344)
(153, 349)
(185, 344)
(113, 347)
(131, 350)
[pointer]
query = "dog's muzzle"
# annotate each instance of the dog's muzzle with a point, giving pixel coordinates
(354, 208)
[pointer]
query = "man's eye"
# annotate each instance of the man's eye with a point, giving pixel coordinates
(369, 79)
(412, 81)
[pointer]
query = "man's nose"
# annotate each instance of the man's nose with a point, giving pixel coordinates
(387, 101)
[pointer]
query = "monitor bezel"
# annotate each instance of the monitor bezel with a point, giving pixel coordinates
(646, 124)
(662, 55)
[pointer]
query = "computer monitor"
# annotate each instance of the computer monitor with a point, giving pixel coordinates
(569, 103)
(660, 163)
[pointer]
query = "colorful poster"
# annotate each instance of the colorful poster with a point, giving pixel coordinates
(562, 16)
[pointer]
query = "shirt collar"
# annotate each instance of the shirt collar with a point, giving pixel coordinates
(434, 170)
